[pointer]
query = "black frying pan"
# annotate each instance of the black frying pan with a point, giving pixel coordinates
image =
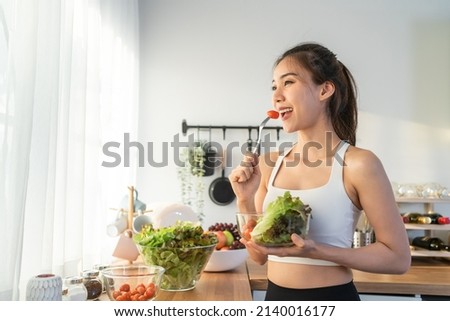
(220, 190)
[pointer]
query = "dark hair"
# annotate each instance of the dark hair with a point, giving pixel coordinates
(324, 66)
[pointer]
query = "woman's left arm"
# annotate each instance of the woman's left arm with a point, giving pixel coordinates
(368, 186)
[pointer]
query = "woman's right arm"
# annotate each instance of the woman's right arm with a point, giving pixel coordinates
(249, 182)
(245, 181)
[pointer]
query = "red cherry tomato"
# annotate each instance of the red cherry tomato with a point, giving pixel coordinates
(140, 289)
(273, 114)
(116, 294)
(247, 234)
(149, 293)
(125, 287)
(140, 293)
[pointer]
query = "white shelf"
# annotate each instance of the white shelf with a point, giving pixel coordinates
(421, 200)
(428, 208)
(429, 227)
(418, 252)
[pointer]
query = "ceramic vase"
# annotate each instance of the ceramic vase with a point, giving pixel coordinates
(44, 287)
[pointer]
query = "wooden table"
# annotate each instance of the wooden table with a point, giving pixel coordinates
(425, 277)
(231, 285)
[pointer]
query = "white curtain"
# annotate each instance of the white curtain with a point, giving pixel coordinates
(69, 84)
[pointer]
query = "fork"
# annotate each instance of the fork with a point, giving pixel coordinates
(256, 149)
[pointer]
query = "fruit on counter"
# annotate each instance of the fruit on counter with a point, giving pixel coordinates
(225, 239)
(139, 293)
(221, 239)
(227, 235)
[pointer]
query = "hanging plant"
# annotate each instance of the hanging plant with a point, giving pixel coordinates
(191, 178)
(197, 159)
(202, 158)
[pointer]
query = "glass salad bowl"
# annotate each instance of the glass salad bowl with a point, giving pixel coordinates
(183, 250)
(283, 217)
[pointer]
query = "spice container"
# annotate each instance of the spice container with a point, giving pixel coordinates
(93, 284)
(74, 289)
(100, 268)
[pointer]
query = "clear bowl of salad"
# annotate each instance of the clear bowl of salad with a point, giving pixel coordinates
(182, 249)
(283, 217)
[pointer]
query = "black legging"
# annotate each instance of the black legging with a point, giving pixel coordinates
(344, 292)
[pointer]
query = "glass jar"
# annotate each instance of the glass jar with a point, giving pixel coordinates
(93, 284)
(101, 267)
(74, 289)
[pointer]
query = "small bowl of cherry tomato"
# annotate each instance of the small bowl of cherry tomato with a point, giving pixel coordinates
(132, 282)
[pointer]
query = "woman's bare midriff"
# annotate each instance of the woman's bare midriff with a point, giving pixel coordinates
(302, 276)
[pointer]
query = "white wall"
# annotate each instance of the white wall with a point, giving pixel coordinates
(210, 62)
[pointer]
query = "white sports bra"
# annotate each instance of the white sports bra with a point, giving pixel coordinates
(334, 216)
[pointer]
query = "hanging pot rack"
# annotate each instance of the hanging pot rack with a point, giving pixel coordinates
(185, 127)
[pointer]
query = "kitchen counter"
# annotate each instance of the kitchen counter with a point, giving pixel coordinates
(215, 286)
(425, 277)
(231, 285)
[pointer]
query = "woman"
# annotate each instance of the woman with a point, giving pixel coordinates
(315, 95)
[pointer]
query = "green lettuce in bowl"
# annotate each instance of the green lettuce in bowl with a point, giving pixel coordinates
(183, 250)
(283, 217)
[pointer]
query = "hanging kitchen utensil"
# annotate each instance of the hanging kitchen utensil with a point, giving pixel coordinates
(125, 248)
(209, 158)
(220, 190)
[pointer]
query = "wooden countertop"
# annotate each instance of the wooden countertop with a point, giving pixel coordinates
(425, 277)
(231, 285)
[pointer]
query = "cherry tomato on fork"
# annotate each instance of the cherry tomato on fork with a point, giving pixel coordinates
(273, 114)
